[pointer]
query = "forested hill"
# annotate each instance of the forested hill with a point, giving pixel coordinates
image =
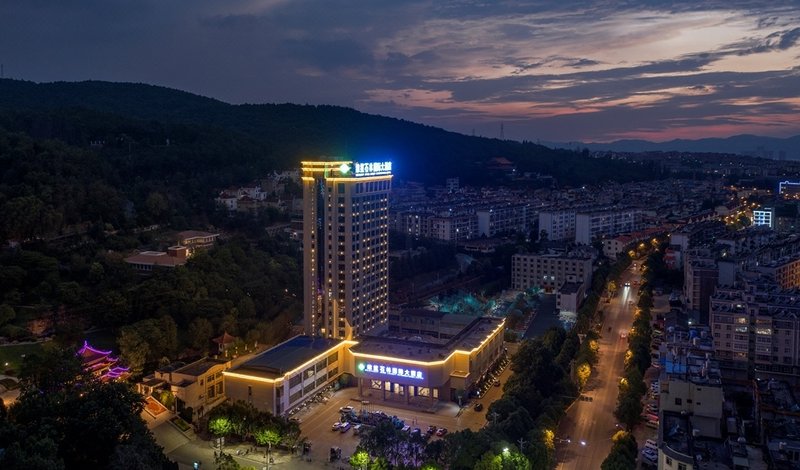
(277, 136)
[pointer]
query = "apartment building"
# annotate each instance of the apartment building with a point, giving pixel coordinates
(549, 272)
(557, 224)
(453, 228)
(502, 219)
(606, 223)
(785, 272)
(700, 276)
(756, 327)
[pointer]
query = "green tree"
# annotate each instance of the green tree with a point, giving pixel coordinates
(61, 403)
(134, 349)
(200, 332)
(7, 314)
(220, 427)
(269, 437)
(359, 460)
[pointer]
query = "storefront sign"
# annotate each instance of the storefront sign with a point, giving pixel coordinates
(373, 169)
(390, 370)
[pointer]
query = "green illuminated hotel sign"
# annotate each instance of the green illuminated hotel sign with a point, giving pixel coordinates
(390, 370)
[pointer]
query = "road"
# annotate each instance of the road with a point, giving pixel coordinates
(589, 425)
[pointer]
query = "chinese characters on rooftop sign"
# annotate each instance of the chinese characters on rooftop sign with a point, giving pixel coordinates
(373, 169)
(390, 370)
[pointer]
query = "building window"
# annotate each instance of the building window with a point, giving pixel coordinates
(678, 401)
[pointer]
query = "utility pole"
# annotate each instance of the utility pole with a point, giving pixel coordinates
(521, 443)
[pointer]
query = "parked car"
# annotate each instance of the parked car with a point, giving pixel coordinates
(496, 383)
(650, 454)
(346, 409)
(344, 427)
(478, 406)
(406, 428)
(431, 429)
(336, 426)
(441, 432)
(651, 444)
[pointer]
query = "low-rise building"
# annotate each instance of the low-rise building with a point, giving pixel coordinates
(570, 296)
(549, 272)
(195, 240)
(198, 386)
(146, 261)
(403, 363)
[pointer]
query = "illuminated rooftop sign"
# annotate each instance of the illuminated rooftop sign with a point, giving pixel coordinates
(389, 370)
(373, 169)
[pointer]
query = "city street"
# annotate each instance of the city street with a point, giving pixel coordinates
(589, 425)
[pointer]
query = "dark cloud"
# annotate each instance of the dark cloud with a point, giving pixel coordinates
(492, 60)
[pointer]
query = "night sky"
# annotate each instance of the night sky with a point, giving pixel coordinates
(549, 70)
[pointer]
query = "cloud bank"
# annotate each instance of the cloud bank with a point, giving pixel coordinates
(591, 70)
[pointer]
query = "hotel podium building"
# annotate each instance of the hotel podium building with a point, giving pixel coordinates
(417, 369)
(345, 246)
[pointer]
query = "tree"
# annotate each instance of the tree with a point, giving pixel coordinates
(629, 408)
(61, 403)
(583, 372)
(134, 349)
(359, 460)
(268, 437)
(7, 314)
(623, 452)
(200, 332)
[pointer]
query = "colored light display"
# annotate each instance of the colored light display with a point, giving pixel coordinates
(390, 370)
(373, 169)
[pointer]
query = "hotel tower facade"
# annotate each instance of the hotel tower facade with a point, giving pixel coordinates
(345, 246)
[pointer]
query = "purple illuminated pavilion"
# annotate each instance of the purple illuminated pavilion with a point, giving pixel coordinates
(101, 363)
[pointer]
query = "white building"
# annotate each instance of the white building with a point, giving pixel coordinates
(559, 224)
(765, 216)
(502, 219)
(549, 272)
(602, 224)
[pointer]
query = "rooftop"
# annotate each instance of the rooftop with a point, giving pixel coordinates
(289, 355)
(156, 258)
(570, 288)
(427, 348)
(198, 368)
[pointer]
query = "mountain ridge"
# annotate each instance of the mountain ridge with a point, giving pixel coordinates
(741, 144)
(288, 133)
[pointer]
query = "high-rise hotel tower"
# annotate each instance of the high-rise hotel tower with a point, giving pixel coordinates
(345, 246)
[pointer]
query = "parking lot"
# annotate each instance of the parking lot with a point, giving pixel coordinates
(316, 420)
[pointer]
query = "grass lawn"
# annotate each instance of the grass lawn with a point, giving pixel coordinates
(12, 355)
(182, 425)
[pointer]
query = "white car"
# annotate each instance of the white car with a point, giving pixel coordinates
(336, 426)
(346, 409)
